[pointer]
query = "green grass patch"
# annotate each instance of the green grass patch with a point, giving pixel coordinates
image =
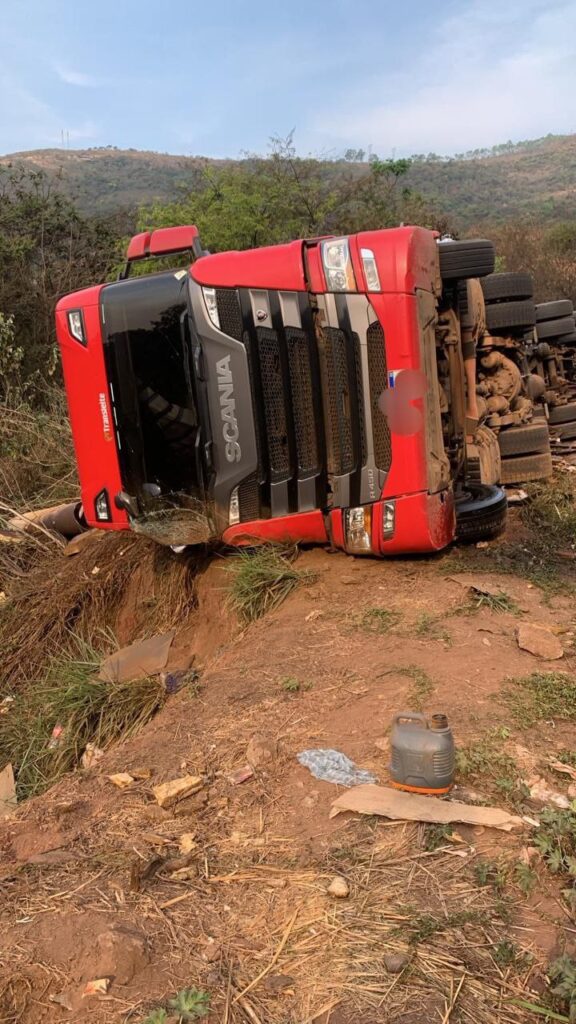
(189, 1004)
(429, 626)
(539, 697)
(422, 685)
(262, 578)
(72, 701)
(378, 620)
(484, 763)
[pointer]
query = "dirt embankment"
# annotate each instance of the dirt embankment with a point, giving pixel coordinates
(94, 883)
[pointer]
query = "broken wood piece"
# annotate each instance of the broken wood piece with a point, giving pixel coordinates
(392, 803)
(140, 659)
(7, 791)
(168, 793)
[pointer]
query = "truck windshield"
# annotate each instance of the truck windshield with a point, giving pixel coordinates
(150, 370)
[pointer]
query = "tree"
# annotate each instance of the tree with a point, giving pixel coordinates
(46, 250)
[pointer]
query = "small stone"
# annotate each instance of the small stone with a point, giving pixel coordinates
(339, 888)
(260, 750)
(168, 793)
(539, 641)
(395, 962)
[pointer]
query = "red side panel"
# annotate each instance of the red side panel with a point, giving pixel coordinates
(166, 240)
(423, 523)
(407, 258)
(138, 246)
(302, 527)
(89, 405)
(275, 266)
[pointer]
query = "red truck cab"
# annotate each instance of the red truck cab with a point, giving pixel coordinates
(288, 393)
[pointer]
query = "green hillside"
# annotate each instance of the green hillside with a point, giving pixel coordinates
(537, 177)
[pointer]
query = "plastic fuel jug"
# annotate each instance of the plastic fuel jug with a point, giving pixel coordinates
(422, 753)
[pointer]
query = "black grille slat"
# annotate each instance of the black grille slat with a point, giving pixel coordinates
(334, 364)
(229, 312)
(274, 394)
(249, 498)
(299, 360)
(378, 374)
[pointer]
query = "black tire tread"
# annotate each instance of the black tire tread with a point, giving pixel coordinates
(473, 257)
(556, 328)
(562, 413)
(485, 521)
(520, 469)
(507, 286)
(510, 314)
(528, 439)
(553, 310)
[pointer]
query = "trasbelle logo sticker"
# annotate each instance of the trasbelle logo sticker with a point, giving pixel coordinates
(105, 416)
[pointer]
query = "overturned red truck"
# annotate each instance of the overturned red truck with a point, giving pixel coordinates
(311, 392)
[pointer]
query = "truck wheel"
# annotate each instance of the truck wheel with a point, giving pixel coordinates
(470, 258)
(553, 310)
(507, 286)
(519, 469)
(567, 339)
(562, 413)
(524, 440)
(480, 512)
(556, 328)
(510, 314)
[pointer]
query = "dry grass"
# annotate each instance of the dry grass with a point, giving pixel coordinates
(50, 597)
(37, 466)
(262, 578)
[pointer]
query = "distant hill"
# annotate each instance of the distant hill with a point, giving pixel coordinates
(536, 177)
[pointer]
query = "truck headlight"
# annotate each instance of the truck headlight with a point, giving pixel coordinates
(102, 507)
(370, 270)
(234, 508)
(211, 305)
(388, 519)
(76, 325)
(338, 265)
(358, 530)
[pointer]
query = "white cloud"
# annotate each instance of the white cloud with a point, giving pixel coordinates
(72, 77)
(494, 72)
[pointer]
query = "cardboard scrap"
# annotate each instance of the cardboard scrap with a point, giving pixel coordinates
(539, 641)
(98, 987)
(143, 658)
(397, 805)
(168, 793)
(7, 791)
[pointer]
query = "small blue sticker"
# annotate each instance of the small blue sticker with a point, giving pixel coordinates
(392, 374)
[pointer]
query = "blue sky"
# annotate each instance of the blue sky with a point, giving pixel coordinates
(220, 78)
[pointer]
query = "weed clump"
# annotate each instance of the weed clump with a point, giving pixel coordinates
(48, 726)
(378, 620)
(540, 696)
(262, 579)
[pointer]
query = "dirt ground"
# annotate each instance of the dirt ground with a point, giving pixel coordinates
(86, 891)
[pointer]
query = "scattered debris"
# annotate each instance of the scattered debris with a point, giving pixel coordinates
(564, 769)
(517, 496)
(187, 843)
(383, 743)
(62, 999)
(5, 705)
(56, 736)
(314, 614)
(333, 766)
(143, 658)
(83, 540)
(395, 962)
(176, 680)
(168, 793)
(122, 779)
(338, 888)
(541, 793)
(92, 754)
(7, 791)
(240, 775)
(539, 640)
(261, 750)
(98, 987)
(392, 803)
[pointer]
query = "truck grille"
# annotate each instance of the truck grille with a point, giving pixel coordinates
(308, 403)
(378, 383)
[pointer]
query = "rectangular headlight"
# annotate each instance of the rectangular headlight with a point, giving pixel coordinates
(358, 530)
(338, 265)
(76, 325)
(211, 305)
(388, 519)
(102, 507)
(234, 508)
(370, 270)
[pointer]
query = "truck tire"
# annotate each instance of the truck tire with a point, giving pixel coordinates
(530, 438)
(469, 258)
(562, 413)
(556, 328)
(480, 513)
(510, 314)
(553, 310)
(519, 469)
(507, 286)
(567, 339)
(568, 431)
